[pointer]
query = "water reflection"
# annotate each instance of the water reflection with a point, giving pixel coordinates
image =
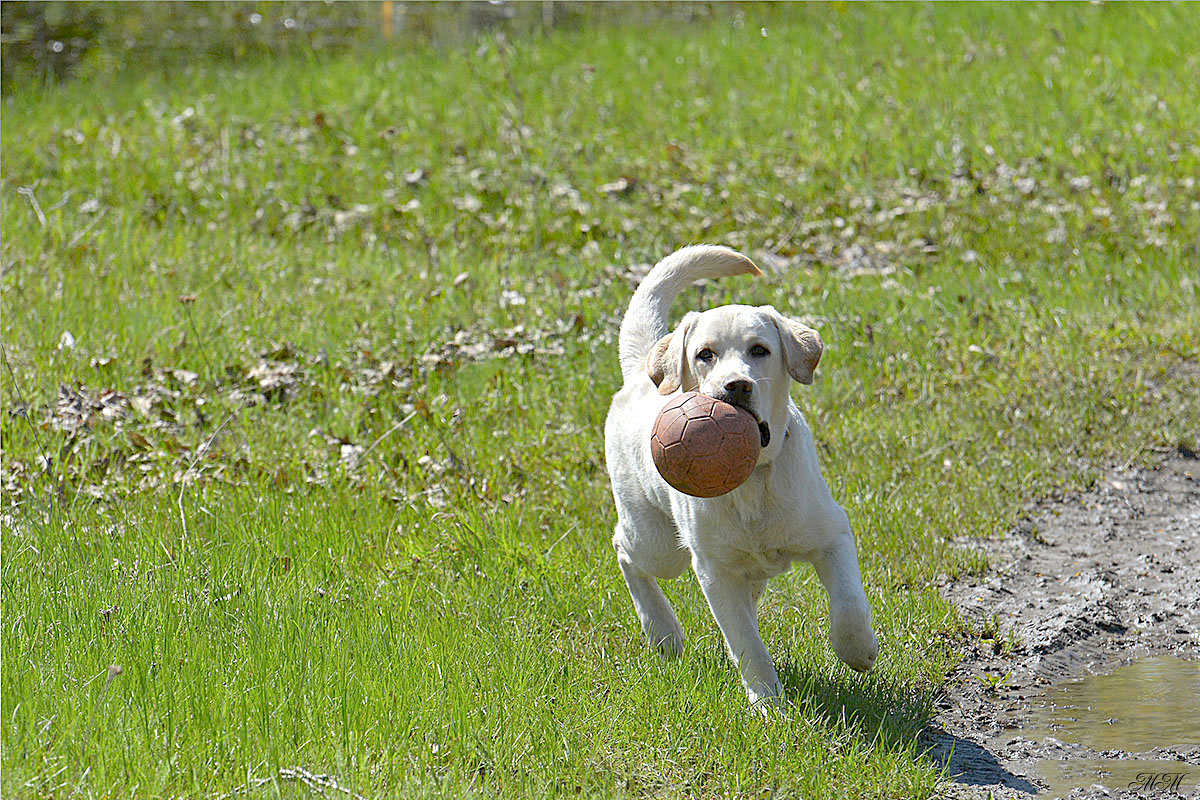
(1146, 706)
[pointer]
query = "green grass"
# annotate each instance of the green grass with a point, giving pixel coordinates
(345, 506)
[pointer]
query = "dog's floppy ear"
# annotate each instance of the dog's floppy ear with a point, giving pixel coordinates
(801, 346)
(667, 361)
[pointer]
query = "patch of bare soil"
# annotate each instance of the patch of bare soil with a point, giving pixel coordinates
(1087, 583)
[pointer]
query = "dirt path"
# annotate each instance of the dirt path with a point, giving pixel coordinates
(1087, 583)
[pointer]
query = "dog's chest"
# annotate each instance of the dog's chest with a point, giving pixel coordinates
(758, 564)
(758, 535)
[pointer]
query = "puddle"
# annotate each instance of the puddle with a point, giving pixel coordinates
(1085, 579)
(1152, 703)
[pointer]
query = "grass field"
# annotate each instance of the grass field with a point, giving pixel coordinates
(306, 364)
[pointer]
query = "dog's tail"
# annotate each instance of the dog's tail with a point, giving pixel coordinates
(646, 320)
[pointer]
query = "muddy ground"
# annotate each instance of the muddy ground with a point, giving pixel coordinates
(1087, 583)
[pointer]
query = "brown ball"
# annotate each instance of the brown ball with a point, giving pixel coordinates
(704, 447)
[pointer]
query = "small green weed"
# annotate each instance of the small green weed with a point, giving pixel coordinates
(994, 681)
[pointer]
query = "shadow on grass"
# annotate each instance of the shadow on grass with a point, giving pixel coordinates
(894, 717)
(890, 715)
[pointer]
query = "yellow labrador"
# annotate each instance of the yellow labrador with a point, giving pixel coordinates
(784, 512)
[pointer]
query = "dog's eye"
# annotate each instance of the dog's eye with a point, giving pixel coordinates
(705, 355)
(758, 351)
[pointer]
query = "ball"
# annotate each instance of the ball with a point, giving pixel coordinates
(703, 446)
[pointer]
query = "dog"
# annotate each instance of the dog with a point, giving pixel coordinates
(784, 512)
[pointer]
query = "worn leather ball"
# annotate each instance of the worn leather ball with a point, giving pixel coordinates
(703, 446)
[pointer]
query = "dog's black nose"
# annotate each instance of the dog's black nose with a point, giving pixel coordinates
(739, 390)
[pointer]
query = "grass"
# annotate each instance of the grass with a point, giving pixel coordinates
(311, 450)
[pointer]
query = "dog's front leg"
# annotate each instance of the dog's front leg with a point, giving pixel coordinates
(731, 599)
(850, 629)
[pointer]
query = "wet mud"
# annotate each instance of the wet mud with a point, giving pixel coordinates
(1087, 681)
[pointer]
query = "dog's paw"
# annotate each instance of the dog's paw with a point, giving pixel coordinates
(668, 643)
(767, 700)
(852, 638)
(861, 659)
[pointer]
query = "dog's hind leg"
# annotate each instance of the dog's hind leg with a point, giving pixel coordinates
(658, 619)
(756, 590)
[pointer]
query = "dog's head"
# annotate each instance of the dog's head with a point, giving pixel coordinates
(743, 355)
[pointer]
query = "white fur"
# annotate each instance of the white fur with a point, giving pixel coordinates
(782, 513)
